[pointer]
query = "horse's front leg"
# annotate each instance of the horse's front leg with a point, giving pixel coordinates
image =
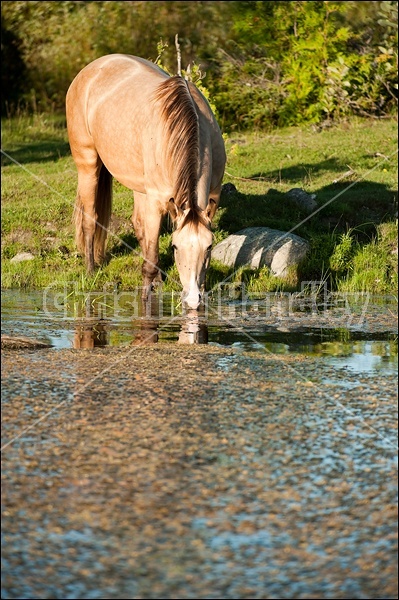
(146, 220)
(150, 269)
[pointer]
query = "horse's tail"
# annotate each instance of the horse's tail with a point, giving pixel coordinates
(103, 211)
(103, 206)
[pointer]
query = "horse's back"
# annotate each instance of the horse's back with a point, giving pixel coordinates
(108, 72)
(116, 82)
(111, 111)
(108, 109)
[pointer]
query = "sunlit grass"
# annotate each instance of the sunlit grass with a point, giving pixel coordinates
(352, 169)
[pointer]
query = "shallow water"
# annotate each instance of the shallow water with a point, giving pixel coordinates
(356, 332)
(260, 465)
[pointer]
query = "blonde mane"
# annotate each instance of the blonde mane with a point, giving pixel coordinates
(181, 122)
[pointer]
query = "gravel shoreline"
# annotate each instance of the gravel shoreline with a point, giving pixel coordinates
(171, 471)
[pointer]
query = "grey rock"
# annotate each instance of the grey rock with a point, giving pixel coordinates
(21, 256)
(306, 202)
(261, 246)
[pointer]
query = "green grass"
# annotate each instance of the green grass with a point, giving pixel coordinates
(352, 169)
(373, 267)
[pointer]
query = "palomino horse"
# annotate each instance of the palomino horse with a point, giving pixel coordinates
(156, 135)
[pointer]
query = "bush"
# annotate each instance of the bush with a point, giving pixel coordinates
(267, 63)
(311, 66)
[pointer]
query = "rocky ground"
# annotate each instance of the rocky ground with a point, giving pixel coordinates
(170, 471)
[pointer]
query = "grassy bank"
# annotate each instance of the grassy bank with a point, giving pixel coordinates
(352, 169)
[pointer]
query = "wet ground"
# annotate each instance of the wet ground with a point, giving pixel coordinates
(249, 452)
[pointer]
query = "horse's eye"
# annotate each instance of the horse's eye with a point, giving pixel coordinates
(174, 248)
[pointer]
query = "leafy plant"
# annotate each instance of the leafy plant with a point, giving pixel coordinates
(341, 259)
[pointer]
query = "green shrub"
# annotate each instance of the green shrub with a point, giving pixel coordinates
(266, 63)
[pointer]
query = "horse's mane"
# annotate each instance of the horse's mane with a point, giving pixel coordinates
(181, 122)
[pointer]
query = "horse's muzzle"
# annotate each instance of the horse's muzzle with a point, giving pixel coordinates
(192, 299)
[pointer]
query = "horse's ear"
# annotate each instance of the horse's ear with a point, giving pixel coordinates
(173, 209)
(211, 209)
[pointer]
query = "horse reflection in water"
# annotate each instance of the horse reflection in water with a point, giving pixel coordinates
(96, 334)
(193, 329)
(91, 335)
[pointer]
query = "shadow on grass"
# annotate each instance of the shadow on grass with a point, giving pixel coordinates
(296, 173)
(41, 151)
(357, 208)
(122, 245)
(343, 206)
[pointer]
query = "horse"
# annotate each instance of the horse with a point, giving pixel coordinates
(156, 134)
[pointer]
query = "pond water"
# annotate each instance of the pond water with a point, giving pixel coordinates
(358, 332)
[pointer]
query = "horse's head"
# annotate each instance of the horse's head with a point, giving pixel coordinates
(192, 244)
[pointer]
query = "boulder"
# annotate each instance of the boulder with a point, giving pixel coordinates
(21, 256)
(306, 202)
(256, 247)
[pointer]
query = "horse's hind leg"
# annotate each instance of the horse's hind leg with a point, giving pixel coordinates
(85, 210)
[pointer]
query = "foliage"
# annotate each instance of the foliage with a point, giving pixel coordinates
(306, 64)
(266, 63)
(57, 39)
